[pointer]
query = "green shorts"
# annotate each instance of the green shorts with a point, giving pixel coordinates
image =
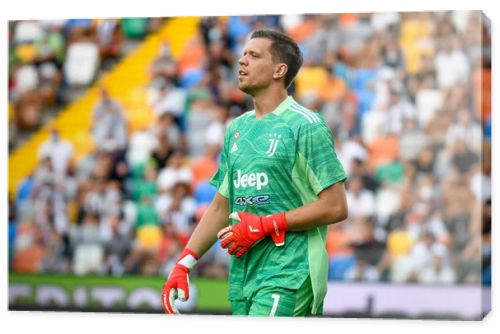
(277, 301)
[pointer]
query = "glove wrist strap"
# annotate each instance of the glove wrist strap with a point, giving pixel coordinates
(275, 226)
(188, 259)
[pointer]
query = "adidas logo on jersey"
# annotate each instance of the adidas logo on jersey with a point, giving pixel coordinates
(234, 148)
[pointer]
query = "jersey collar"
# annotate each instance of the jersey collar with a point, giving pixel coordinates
(280, 109)
(284, 105)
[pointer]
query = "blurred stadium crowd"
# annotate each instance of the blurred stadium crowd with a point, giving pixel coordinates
(406, 96)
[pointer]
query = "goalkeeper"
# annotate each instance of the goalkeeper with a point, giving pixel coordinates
(279, 185)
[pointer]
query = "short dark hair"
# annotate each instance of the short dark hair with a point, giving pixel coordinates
(283, 49)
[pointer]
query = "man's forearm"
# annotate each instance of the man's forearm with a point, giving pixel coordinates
(214, 219)
(329, 208)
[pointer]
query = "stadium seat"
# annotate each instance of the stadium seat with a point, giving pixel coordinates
(238, 27)
(149, 236)
(339, 265)
(399, 243)
(204, 193)
(135, 27)
(25, 189)
(26, 53)
(192, 57)
(361, 82)
(192, 77)
(203, 169)
(74, 23)
(311, 80)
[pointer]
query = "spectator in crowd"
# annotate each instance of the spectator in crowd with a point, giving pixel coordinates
(399, 108)
(169, 99)
(463, 159)
(214, 134)
(351, 153)
(464, 129)
(437, 272)
(110, 39)
(109, 126)
(411, 141)
(486, 242)
(164, 69)
(116, 236)
(59, 151)
(168, 128)
(360, 201)
(88, 251)
(174, 171)
(29, 248)
(452, 65)
(369, 252)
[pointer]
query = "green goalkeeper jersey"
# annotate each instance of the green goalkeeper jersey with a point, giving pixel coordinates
(274, 164)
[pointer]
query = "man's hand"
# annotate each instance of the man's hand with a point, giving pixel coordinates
(177, 285)
(238, 238)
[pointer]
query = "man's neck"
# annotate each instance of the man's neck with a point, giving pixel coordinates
(267, 101)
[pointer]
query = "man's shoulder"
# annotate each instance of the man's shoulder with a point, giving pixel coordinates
(241, 118)
(298, 117)
(246, 114)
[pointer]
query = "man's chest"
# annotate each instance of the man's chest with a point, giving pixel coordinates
(266, 145)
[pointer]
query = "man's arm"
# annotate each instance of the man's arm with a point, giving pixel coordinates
(214, 219)
(329, 208)
(203, 237)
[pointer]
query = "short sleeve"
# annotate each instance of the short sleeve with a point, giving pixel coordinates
(220, 178)
(316, 157)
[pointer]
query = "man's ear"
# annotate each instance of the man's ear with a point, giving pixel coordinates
(280, 71)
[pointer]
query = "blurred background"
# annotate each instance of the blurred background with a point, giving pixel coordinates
(116, 126)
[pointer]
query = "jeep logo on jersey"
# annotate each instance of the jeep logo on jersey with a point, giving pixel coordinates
(257, 180)
(253, 200)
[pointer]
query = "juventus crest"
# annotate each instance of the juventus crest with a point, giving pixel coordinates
(273, 144)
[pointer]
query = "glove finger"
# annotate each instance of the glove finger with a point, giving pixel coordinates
(235, 216)
(171, 301)
(164, 302)
(233, 248)
(222, 233)
(182, 295)
(183, 290)
(240, 251)
(227, 241)
(167, 301)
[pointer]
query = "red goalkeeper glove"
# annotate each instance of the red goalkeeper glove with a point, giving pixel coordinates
(177, 285)
(238, 238)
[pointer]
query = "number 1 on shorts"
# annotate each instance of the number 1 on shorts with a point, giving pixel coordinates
(276, 299)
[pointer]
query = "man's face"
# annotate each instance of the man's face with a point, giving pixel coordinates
(256, 66)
